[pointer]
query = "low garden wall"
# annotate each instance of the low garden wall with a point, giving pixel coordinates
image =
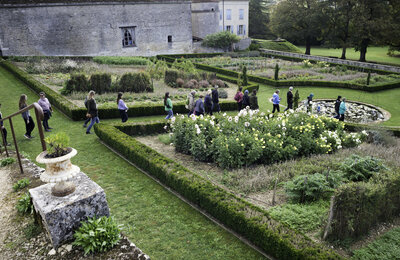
(334, 60)
(78, 113)
(252, 222)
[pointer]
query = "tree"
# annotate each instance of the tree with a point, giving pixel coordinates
(223, 40)
(370, 25)
(392, 35)
(340, 14)
(259, 19)
(299, 20)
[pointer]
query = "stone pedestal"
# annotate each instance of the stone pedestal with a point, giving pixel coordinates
(61, 216)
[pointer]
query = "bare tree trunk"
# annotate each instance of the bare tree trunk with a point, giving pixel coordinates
(363, 49)
(343, 53)
(308, 45)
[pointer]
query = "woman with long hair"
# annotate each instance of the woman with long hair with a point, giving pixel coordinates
(92, 111)
(123, 109)
(29, 124)
(168, 106)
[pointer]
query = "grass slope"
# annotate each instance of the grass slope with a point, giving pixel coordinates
(159, 223)
(374, 54)
(278, 46)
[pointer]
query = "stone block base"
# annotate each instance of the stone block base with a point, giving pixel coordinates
(61, 216)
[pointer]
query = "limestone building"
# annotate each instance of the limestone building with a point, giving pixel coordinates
(234, 17)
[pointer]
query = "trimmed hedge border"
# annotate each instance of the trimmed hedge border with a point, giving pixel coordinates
(248, 220)
(285, 83)
(78, 113)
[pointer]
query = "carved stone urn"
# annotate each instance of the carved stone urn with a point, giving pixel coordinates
(61, 171)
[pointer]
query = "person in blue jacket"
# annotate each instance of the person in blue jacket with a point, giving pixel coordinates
(208, 103)
(199, 106)
(342, 109)
(275, 101)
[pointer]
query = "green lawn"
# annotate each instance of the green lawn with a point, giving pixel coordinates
(388, 99)
(158, 222)
(374, 54)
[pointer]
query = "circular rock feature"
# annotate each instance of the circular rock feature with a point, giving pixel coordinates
(356, 112)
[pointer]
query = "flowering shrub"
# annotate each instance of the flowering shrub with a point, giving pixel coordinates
(253, 137)
(307, 64)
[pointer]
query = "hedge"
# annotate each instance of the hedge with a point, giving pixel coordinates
(359, 206)
(248, 220)
(298, 83)
(78, 113)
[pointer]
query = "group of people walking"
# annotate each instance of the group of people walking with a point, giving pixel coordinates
(244, 100)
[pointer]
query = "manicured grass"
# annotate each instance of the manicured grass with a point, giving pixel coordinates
(386, 247)
(158, 222)
(279, 46)
(387, 99)
(374, 54)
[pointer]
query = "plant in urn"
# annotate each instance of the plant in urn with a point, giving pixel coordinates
(59, 169)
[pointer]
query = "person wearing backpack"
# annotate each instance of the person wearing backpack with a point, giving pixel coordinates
(239, 98)
(199, 106)
(190, 102)
(337, 106)
(246, 99)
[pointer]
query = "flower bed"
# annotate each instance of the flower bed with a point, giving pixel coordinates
(253, 137)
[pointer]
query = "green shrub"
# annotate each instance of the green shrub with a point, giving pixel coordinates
(32, 230)
(24, 204)
(100, 82)
(313, 187)
(276, 74)
(296, 99)
(120, 60)
(222, 93)
(21, 184)
(357, 168)
(171, 75)
(223, 40)
(97, 234)
(7, 161)
(77, 82)
(135, 82)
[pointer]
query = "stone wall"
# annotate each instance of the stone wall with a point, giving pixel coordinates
(333, 60)
(92, 29)
(205, 18)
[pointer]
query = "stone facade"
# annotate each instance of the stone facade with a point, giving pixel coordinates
(234, 17)
(205, 18)
(97, 28)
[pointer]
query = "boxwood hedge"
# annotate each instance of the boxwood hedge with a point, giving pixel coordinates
(248, 220)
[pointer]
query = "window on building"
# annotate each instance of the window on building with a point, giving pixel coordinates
(220, 16)
(241, 14)
(228, 14)
(240, 30)
(169, 38)
(128, 37)
(229, 28)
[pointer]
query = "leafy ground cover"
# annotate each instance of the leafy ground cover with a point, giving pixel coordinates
(374, 54)
(159, 223)
(293, 70)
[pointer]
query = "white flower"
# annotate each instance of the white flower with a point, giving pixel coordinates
(173, 119)
(236, 119)
(165, 127)
(212, 123)
(246, 124)
(262, 114)
(182, 116)
(201, 116)
(271, 115)
(198, 131)
(230, 119)
(224, 114)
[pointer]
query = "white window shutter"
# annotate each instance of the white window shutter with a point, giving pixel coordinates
(244, 29)
(237, 30)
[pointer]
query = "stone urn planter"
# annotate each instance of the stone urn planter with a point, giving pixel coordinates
(59, 170)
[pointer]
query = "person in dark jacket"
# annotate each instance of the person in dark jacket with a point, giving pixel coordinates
(199, 106)
(92, 111)
(47, 110)
(254, 100)
(215, 100)
(337, 106)
(86, 105)
(29, 124)
(289, 97)
(246, 99)
(309, 102)
(208, 103)
(4, 130)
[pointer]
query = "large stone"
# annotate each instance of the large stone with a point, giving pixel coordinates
(61, 216)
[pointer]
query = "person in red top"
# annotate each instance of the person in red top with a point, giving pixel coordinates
(239, 98)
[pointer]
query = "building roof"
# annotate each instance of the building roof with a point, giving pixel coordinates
(30, 2)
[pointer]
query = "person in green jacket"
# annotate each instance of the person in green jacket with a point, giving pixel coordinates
(168, 106)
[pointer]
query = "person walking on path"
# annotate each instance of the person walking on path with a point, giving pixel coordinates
(309, 103)
(342, 109)
(246, 99)
(254, 100)
(208, 103)
(215, 100)
(275, 101)
(199, 106)
(239, 98)
(337, 106)
(29, 124)
(123, 109)
(168, 106)
(92, 111)
(4, 130)
(190, 102)
(289, 97)
(87, 118)
(47, 110)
